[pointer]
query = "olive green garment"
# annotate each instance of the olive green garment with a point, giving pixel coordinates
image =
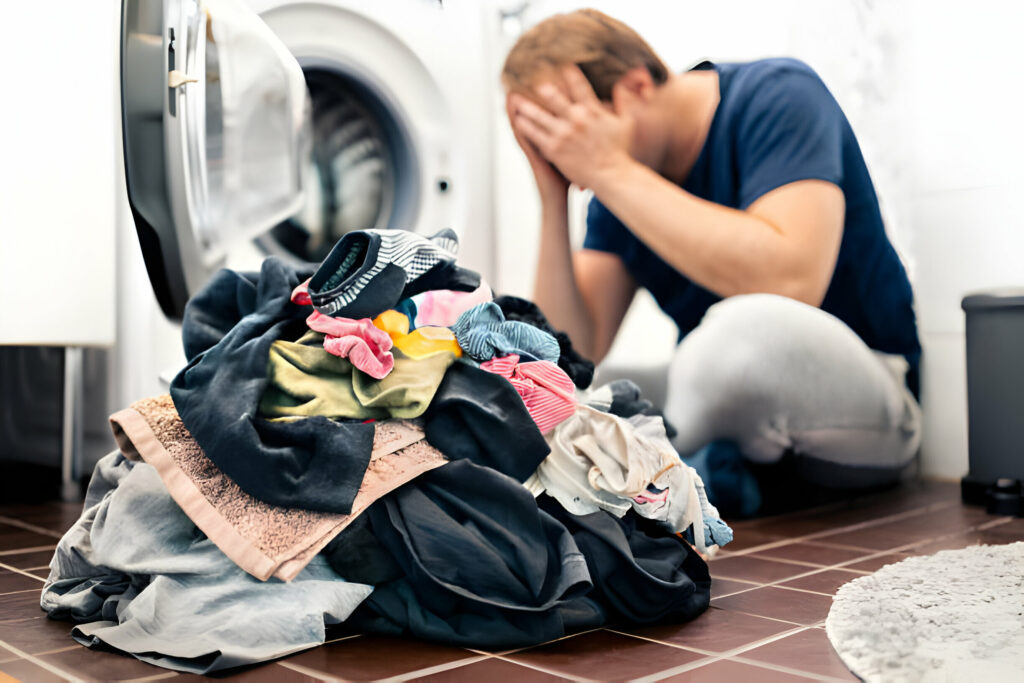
(305, 381)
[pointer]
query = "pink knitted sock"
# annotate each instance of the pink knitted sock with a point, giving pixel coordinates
(364, 344)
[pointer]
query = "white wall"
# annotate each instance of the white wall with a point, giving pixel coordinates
(57, 167)
(931, 90)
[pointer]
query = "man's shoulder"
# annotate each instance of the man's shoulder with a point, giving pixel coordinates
(776, 83)
(771, 72)
(772, 68)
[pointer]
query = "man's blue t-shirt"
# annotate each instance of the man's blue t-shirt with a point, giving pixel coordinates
(777, 123)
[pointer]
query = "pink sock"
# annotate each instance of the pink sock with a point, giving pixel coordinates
(364, 344)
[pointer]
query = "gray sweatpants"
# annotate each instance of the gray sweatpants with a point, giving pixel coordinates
(774, 375)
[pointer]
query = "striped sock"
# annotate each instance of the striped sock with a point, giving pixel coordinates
(547, 391)
(369, 271)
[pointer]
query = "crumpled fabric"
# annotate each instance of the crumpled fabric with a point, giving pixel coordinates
(622, 397)
(539, 572)
(228, 329)
(262, 539)
(642, 574)
(418, 343)
(442, 307)
(483, 333)
(370, 271)
(141, 578)
(362, 342)
(478, 416)
(476, 563)
(600, 461)
(579, 369)
(306, 381)
(658, 504)
(545, 389)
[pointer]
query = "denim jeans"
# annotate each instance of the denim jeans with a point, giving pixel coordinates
(143, 579)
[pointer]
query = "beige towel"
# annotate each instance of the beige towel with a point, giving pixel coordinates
(265, 540)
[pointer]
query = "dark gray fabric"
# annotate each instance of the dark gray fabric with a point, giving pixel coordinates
(477, 415)
(485, 566)
(641, 573)
(627, 402)
(482, 565)
(313, 463)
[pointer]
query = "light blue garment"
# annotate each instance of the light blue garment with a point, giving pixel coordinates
(483, 333)
(147, 581)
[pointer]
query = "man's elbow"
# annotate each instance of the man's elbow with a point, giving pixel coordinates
(808, 290)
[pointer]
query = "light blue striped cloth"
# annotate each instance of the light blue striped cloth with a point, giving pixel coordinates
(483, 333)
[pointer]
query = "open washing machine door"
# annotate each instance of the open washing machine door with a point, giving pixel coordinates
(217, 135)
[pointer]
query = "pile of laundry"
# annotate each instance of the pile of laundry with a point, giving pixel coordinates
(378, 442)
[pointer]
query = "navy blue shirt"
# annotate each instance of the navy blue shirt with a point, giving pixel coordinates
(777, 123)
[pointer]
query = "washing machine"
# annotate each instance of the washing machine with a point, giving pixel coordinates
(272, 127)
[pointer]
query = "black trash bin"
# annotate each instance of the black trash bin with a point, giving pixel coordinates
(995, 401)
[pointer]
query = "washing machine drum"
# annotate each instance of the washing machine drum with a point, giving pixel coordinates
(227, 139)
(355, 175)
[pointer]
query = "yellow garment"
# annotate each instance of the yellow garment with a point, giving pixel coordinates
(421, 342)
(304, 380)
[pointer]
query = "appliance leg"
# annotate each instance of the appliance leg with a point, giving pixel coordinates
(71, 439)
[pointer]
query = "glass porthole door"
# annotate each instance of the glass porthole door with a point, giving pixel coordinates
(217, 133)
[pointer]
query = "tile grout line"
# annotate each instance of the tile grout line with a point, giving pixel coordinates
(548, 642)
(935, 507)
(38, 662)
(759, 665)
(20, 571)
(786, 669)
(761, 616)
(30, 527)
(69, 648)
(536, 667)
(994, 523)
(27, 590)
(675, 671)
(306, 671)
(807, 590)
(843, 565)
(728, 653)
(802, 563)
(154, 677)
(22, 551)
(440, 668)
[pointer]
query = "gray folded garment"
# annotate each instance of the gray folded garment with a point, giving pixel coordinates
(148, 582)
(263, 539)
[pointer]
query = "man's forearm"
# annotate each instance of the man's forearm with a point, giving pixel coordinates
(725, 250)
(556, 291)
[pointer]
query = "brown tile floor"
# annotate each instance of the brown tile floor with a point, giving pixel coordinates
(771, 594)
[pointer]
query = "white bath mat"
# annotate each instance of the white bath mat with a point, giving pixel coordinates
(957, 615)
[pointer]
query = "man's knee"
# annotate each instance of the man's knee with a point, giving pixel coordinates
(743, 343)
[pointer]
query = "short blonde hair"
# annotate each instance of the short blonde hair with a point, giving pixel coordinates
(602, 47)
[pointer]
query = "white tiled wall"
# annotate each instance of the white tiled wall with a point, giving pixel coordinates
(933, 90)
